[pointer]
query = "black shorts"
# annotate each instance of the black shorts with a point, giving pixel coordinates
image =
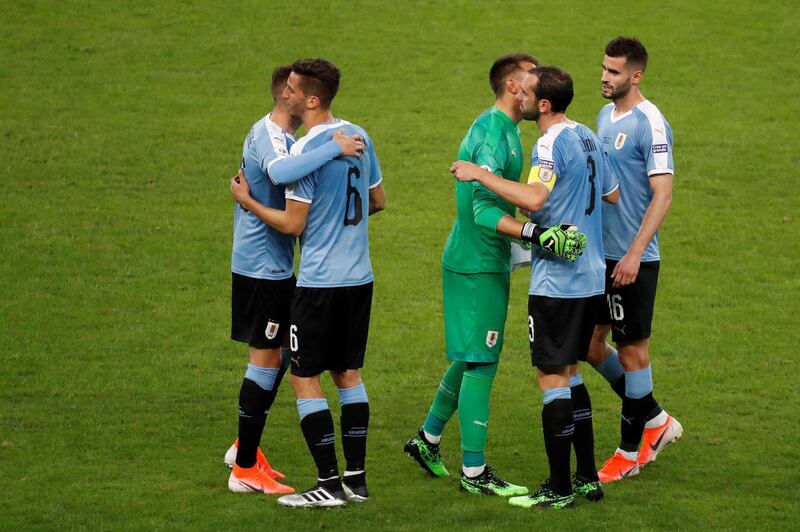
(560, 329)
(329, 328)
(629, 309)
(260, 310)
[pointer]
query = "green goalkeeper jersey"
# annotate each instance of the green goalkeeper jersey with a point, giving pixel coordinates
(473, 245)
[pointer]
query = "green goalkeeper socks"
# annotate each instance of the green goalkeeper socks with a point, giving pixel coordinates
(473, 407)
(446, 400)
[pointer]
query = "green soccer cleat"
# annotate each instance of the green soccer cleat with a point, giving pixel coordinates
(545, 498)
(487, 483)
(591, 490)
(426, 455)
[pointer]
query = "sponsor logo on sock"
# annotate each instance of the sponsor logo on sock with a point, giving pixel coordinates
(482, 423)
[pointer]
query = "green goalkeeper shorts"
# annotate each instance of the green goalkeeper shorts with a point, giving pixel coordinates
(475, 310)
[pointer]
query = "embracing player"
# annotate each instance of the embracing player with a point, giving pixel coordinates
(475, 278)
(568, 179)
(263, 280)
(330, 311)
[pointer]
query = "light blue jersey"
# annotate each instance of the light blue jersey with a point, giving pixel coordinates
(334, 248)
(638, 144)
(260, 251)
(568, 160)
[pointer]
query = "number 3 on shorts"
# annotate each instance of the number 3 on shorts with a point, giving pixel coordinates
(530, 328)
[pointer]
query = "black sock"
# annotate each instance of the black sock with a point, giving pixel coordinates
(285, 363)
(355, 421)
(558, 428)
(619, 386)
(583, 439)
(652, 408)
(632, 423)
(318, 431)
(254, 403)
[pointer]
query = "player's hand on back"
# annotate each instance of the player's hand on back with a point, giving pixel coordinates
(466, 171)
(351, 145)
(240, 189)
(626, 270)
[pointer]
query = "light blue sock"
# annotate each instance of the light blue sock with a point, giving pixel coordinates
(264, 377)
(575, 380)
(356, 394)
(310, 406)
(556, 393)
(611, 368)
(638, 383)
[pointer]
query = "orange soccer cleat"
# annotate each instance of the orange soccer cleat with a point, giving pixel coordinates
(261, 460)
(618, 467)
(655, 439)
(254, 480)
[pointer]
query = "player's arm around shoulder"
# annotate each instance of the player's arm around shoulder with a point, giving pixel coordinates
(291, 221)
(521, 195)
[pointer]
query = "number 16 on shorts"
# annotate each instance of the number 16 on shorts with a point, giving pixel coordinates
(615, 309)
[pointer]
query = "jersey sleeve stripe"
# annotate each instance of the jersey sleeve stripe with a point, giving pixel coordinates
(611, 191)
(656, 171)
(376, 184)
(294, 197)
(658, 131)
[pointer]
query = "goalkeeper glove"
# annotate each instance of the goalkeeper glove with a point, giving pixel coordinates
(562, 240)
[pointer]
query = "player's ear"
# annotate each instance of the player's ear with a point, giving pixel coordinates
(545, 106)
(512, 86)
(637, 76)
(312, 102)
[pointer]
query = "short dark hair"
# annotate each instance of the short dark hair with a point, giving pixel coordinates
(320, 78)
(504, 66)
(630, 48)
(554, 85)
(279, 77)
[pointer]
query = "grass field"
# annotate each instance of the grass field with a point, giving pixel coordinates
(120, 124)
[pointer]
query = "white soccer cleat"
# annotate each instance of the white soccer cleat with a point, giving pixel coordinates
(317, 497)
(230, 456)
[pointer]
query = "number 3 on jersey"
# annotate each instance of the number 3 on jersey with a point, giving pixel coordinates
(352, 195)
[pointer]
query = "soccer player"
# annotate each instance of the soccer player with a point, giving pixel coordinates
(569, 176)
(330, 311)
(638, 141)
(475, 272)
(263, 281)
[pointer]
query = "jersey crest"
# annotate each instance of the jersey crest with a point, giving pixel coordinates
(271, 331)
(620, 140)
(491, 338)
